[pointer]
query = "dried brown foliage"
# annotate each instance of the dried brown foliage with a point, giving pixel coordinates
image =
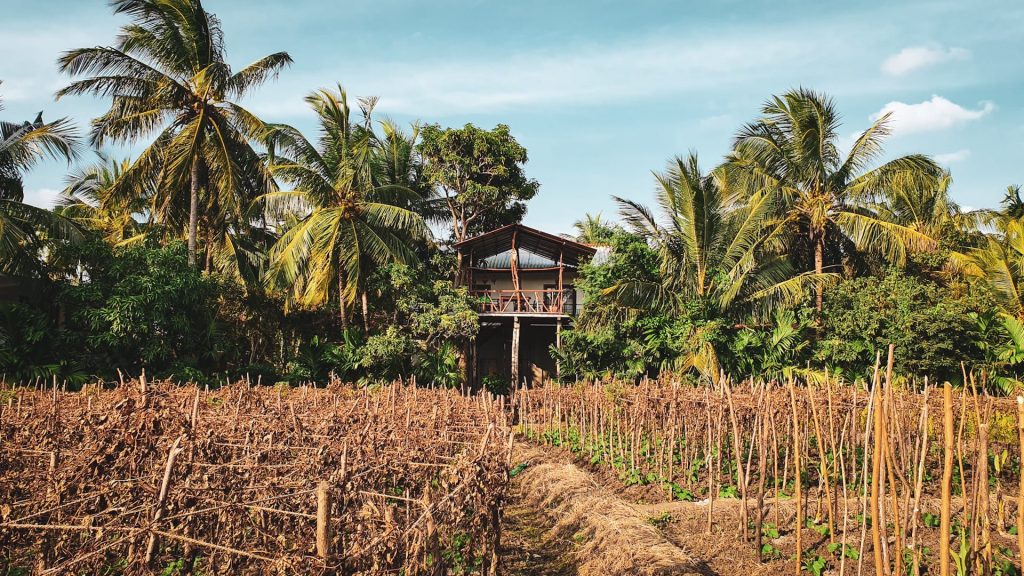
(415, 479)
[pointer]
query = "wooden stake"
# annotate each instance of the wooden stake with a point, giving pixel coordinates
(323, 521)
(165, 487)
(947, 477)
(1020, 488)
(798, 481)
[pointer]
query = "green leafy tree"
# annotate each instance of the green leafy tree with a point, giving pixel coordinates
(824, 198)
(167, 75)
(349, 223)
(478, 175)
(932, 326)
(607, 342)
(142, 306)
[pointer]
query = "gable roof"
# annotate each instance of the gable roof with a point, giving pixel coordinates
(530, 239)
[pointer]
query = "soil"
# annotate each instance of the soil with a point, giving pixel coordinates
(558, 522)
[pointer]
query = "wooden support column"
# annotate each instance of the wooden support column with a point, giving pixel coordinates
(558, 344)
(561, 286)
(515, 353)
(514, 261)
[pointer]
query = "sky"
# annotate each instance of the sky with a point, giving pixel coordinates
(600, 93)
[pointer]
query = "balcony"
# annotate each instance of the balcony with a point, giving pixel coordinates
(526, 302)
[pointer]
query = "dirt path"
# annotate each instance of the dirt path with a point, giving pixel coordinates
(527, 545)
(561, 521)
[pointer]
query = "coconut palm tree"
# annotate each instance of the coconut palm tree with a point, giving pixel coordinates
(592, 229)
(825, 197)
(24, 228)
(87, 200)
(167, 75)
(717, 246)
(348, 223)
(1000, 263)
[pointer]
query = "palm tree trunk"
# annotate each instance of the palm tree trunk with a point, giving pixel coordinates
(366, 313)
(193, 211)
(341, 300)
(819, 266)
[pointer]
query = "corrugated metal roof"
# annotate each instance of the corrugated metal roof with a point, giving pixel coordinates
(527, 260)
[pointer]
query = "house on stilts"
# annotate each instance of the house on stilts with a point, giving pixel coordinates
(523, 281)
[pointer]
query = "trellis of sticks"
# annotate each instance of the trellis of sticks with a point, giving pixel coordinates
(154, 476)
(872, 469)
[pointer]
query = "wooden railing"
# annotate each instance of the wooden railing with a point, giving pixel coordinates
(525, 301)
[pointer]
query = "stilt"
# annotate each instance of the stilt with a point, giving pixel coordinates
(515, 352)
(558, 346)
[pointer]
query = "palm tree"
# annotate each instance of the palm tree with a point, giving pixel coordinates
(592, 229)
(23, 228)
(825, 197)
(1013, 205)
(717, 246)
(87, 200)
(923, 205)
(167, 74)
(1000, 263)
(349, 223)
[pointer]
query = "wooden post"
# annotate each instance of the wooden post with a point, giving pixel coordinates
(1020, 488)
(561, 285)
(876, 474)
(947, 478)
(165, 487)
(798, 481)
(558, 345)
(517, 295)
(323, 521)
(515, 352)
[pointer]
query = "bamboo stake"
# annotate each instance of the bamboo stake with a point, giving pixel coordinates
(947, 477)
(796, 470)
(1020, 487)
(876, 468)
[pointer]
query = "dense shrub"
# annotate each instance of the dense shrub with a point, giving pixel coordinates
(933, 327)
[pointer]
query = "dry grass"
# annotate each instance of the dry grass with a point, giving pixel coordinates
(612, 535)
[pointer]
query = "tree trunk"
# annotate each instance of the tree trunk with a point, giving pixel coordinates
(193, 211)
(207, 249)
(341, 300)
(366, 313)
(819, 266)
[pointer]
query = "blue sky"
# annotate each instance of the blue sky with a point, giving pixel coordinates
(601, 93)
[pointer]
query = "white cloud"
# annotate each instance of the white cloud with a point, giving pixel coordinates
(951, 157)
(930, 115)
(41, 197)
(916, 57)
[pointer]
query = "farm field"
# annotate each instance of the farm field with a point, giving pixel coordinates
(171, 480)
(589, 479)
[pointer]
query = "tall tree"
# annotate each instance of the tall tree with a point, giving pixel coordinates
(23, 228)
(348, 222)
(87, 200)
(716, 246)
(167, 75)
(825, 197)
(478, 175)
